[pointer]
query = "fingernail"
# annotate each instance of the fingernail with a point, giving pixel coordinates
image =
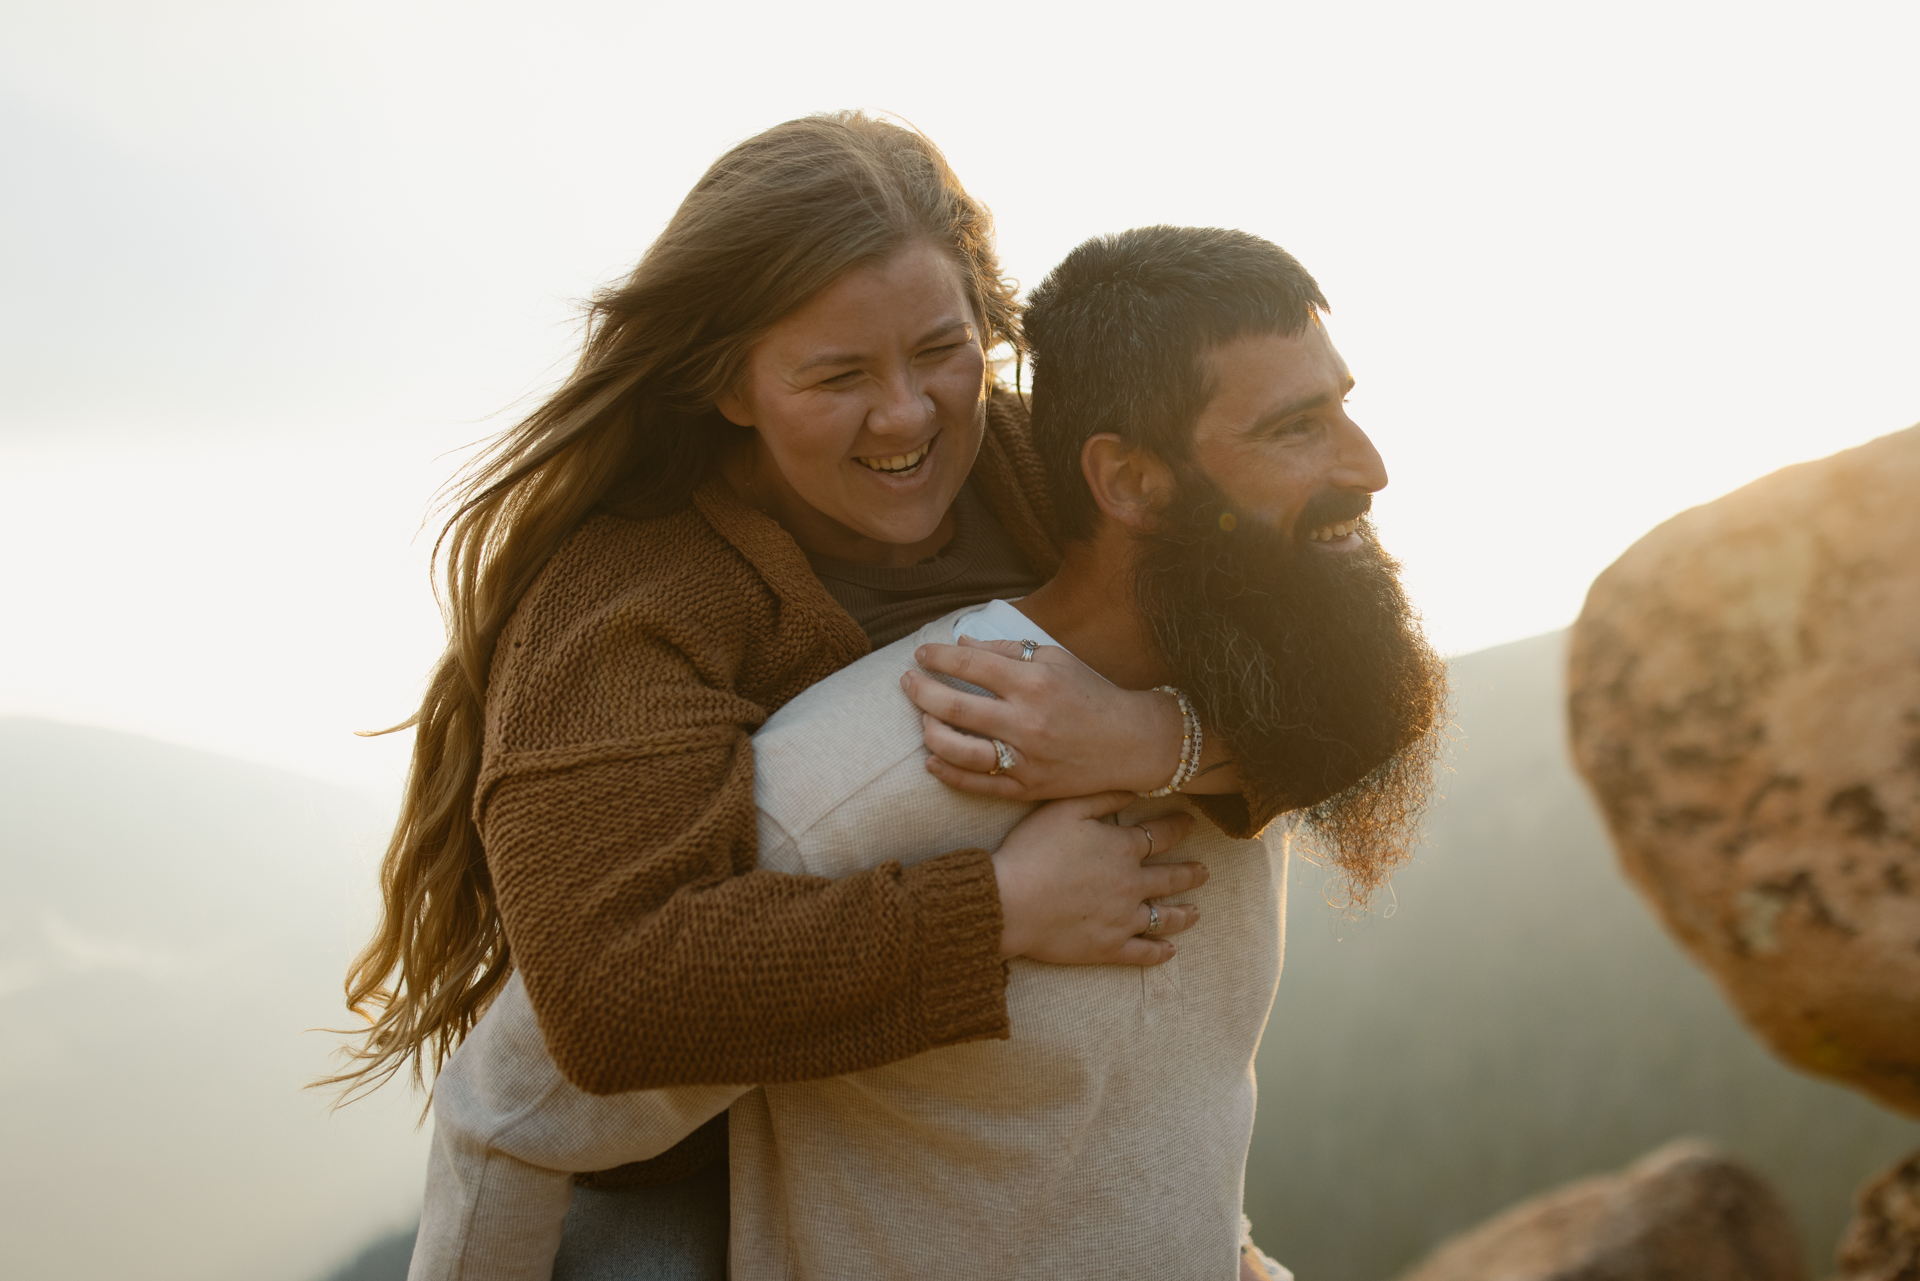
(905, 679)
(920, 655)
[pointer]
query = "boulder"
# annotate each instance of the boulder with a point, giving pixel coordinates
(1744, 699)
(1682, 1213)
(1883, 1241)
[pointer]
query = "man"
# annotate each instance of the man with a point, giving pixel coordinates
(1190, 409)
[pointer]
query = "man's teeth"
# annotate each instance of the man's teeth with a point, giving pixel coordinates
(1327, 533)
(899, 462)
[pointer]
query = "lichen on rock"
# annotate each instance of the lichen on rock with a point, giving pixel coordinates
(1744, 701)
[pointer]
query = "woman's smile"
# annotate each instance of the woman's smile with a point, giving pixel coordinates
(900, 465)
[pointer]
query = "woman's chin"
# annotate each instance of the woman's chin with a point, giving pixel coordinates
(902, 509)
(906, 525)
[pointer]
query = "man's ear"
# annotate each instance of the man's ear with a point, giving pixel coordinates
(1129, 485)
(733, 407)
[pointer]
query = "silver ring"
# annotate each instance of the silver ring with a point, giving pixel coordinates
(1153, 920)
(1005, 754)
(1026, 650)
(1148, 833)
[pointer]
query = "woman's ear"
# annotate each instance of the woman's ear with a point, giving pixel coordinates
(1129, 485)
(733, 407)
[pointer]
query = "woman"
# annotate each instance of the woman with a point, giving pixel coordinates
(777, 448)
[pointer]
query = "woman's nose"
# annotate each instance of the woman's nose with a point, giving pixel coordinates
(904, 407)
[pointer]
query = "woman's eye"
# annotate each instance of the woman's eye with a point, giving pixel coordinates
(935, 353)
(841, 380)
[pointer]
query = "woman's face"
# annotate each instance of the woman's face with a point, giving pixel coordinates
(866, 406)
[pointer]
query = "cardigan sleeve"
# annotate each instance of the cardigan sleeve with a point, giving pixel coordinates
(617, 813)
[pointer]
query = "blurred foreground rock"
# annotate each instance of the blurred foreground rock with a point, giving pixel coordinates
(1682, 1213)
(1883, 1241)
(1744, 693)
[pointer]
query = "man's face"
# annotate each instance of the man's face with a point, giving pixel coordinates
(1277, 441)
(1268, 597)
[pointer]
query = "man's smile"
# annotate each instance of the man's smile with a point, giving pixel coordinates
(1327, 533)
(1339, 536)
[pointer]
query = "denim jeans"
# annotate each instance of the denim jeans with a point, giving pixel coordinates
(677, 1232)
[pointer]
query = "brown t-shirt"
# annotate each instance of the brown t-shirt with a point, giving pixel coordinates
(981, 562)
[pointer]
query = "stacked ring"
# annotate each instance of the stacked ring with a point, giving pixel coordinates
(1005, 755)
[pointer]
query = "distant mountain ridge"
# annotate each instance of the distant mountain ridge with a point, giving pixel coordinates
(173, 921)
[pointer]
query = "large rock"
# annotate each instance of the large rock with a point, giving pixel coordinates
(1745, 702)
(1883, 1241)
(1682, 1213)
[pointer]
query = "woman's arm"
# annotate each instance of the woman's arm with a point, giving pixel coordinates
(1070, 732)
(655, 954)
(617, 810)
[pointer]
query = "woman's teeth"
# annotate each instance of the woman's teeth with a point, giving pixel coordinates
(899, 464)
(1327, 533)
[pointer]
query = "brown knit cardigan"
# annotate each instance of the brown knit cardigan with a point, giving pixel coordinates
(615, 803)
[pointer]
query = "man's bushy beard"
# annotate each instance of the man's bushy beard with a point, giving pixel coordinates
(1312, 666)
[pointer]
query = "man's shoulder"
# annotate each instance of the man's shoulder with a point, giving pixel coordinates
(837, 736)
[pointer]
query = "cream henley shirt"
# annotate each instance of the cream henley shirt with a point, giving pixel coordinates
(1107, 1138)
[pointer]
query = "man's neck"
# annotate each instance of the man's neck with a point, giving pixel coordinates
(1089, 608)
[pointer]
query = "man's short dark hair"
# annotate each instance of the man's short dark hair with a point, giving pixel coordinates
(1120, 332)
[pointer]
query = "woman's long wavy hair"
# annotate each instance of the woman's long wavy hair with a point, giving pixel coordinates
(632, 430)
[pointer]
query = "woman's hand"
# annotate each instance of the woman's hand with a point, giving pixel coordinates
(1069, 731)
(1073, 890)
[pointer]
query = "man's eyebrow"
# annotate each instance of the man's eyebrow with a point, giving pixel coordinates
(1280, 413)
(854, 358)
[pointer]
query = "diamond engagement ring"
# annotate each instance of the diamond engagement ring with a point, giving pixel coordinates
(1005, 754)
(1026, 650)
(1153, 920)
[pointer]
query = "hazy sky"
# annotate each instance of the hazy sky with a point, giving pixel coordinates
(263, 265)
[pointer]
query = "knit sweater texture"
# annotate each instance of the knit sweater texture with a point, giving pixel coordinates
(615, 804)
(616, 808)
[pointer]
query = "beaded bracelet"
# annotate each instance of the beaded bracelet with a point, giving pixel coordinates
(1190, 741)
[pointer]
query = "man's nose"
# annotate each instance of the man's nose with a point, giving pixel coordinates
(1358, 465)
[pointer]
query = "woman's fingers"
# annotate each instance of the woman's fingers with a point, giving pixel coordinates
(1157, 920)
(1144, 951)
(992, 665)
(1074, 889)
(1000, 787)
(967, 751)
(1157, 880)
(1004, 648)
(987, 717)
(1168, 831)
